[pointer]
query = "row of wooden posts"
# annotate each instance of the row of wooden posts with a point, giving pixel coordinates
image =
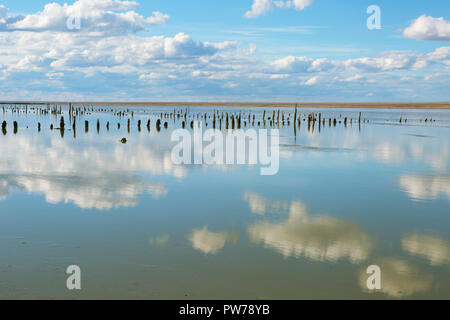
(230, 120)
(274, 119)
(239, 118)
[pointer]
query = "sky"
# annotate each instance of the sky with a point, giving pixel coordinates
(234, 50)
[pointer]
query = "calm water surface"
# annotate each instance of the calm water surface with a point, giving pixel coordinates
(345, 198)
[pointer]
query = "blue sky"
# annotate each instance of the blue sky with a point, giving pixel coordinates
(308, 50)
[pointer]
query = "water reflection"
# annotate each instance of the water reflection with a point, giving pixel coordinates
(97, 174)
(426, 187)
(159, 240)
(342, 167)
(319, 238)
(399, 279)
(101, 191)
(377, 144)
(434, 249)
(260, 205)
(210, 242)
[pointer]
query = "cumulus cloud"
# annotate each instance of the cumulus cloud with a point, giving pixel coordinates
(425, 187)
(131, 54)
(434, 249)
(440, 54)
(99, 16)
(389, 61)
(210, 242)
(260, 7)
(292, 64)
(136, 51)
(428, 28)
(115, 62)
(4, 13)
(6, 19)
(371, 73)
(398, 279)
(311, 81)
(318, 238)
(386, 61)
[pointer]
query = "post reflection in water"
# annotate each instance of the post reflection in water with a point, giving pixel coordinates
(355, 188)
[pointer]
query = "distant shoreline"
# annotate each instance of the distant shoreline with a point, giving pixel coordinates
(324, 105)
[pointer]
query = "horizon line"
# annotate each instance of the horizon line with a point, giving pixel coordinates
(349, 105)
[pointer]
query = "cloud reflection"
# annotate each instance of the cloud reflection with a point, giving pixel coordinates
(434, 249)
(425, 187)
(159, 241)
(379, 146)
(95, 174)
(99, 192)
(260, 205)
(399, 279)
(319, 238)
(210, 242)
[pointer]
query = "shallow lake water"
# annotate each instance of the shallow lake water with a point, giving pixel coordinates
(346, 196)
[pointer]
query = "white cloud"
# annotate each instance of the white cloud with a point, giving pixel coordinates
(292, 64)
(55, 52)
(260, 7)
(442, 53)
(428, 28)
(389, 61)
(300, 4)
(4, 13)
(99, 16)
(6, 19)
(279, 76)
(355, 77)
(178, 67)
(384, 62)
(311, 81)
(210, 242)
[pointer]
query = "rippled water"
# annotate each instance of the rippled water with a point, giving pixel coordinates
(139, 226)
